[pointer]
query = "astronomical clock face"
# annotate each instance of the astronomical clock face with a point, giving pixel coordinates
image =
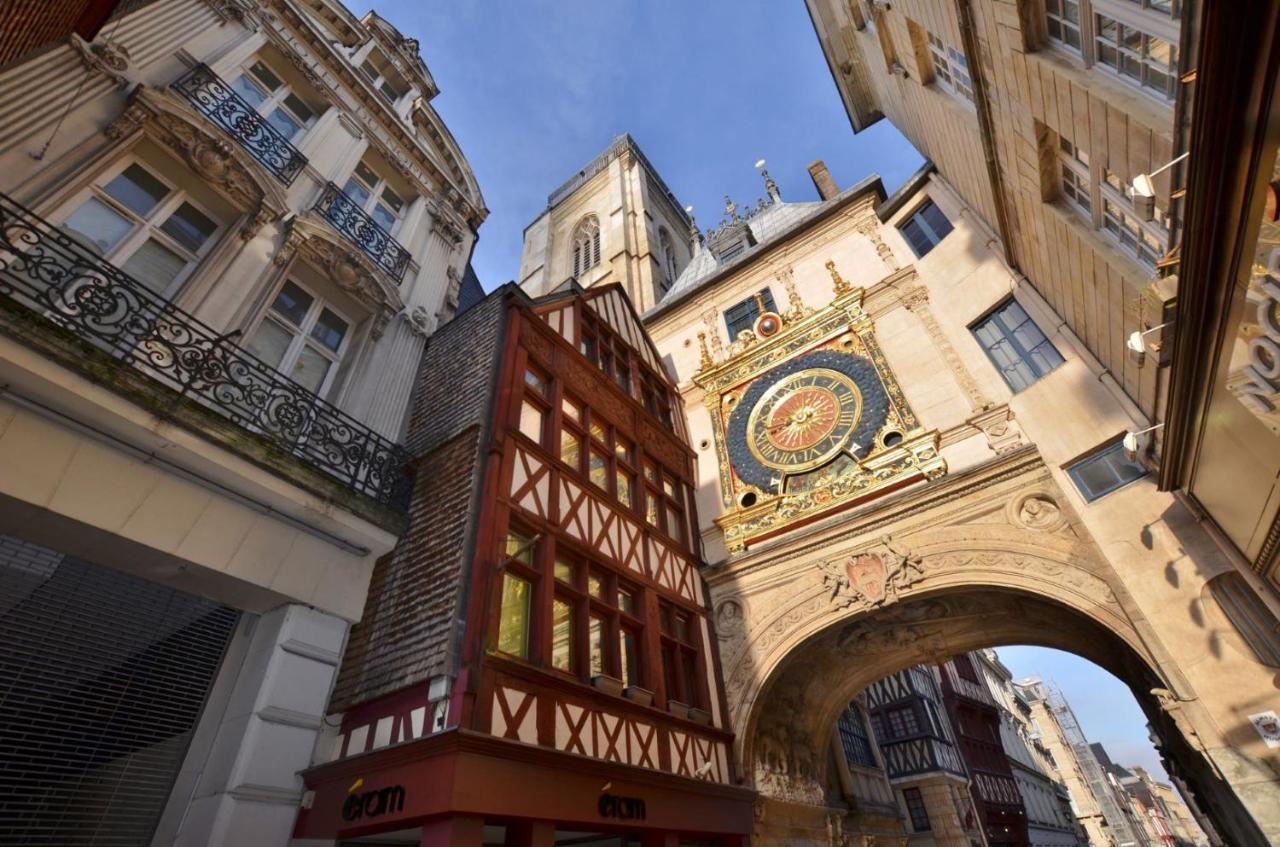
(803, 415)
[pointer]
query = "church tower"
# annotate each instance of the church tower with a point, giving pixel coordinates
(613, 221)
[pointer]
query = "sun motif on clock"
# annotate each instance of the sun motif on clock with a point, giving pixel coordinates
(803, 415)
(803, 420)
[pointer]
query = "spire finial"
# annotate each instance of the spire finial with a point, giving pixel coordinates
(771, 187)
(705, 357)
(695, 234)
(730, 208)
(842, 285)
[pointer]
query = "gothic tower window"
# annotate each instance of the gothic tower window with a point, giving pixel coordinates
(586, 245)
(669, 271)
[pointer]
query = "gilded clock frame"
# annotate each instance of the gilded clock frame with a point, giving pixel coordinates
(752, 514)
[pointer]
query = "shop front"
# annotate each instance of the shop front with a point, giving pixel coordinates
(465, 789)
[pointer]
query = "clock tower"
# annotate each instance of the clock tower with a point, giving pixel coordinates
(808, 419)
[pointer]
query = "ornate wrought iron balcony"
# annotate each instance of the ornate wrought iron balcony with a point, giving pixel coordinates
(363, 231)
(221, 104)
(54, 279)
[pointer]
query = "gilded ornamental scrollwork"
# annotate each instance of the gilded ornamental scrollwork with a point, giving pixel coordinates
(871, 444)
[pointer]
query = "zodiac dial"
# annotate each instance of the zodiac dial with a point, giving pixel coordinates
(804, 419)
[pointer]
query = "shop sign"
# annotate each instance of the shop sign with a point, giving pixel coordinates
(622, 808)
(1254, 374)
(372, 804)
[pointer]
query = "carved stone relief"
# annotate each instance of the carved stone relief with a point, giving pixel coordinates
(872, 578)
(104, 56)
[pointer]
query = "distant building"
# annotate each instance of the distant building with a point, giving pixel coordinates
(1045, 799)
(977, 721)
(922, 758)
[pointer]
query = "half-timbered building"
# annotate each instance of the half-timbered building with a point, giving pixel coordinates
(536, 655)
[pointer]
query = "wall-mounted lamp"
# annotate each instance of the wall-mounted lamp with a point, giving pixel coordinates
(1137, 347)
(1133, 441)
(1143, 191)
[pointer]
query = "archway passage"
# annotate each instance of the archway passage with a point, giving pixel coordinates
(786, 744)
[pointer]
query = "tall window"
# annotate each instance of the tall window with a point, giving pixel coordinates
(1143, 240)
(519, 576)
(275, 101)
(854, 738)
(372, 193)
(385, 81)
(586, 245)
(1143, 59)
(916, 809)
(601, 453)
(924, 229)
(964, 667)
(742, 316)
(1135, 40)
(664, 502)
(1062, 21)
(901, 721)
(1104, 471)
(680, 654)
(535, 405)
(950, 68)
(302, 337)
(668, 261)
(607, 350)
(1016, 346)
(1077, 186)
(142, 223)
(594, 600)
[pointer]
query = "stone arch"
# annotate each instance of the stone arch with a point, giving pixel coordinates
(994, 559)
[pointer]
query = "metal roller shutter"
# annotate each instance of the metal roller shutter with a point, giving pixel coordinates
(102, 678)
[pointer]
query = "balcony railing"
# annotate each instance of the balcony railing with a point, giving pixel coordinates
(219, 102)
(363, 231)
(53, 276)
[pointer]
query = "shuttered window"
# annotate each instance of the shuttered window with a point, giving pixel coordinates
(102, 679)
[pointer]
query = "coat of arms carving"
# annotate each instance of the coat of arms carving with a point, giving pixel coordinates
(871, 578)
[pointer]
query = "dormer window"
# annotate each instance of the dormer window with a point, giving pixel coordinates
(371, 192)
(387, 85)
(263, 89)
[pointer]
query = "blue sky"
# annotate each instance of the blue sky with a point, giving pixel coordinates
(534, 89)
(1104, 706)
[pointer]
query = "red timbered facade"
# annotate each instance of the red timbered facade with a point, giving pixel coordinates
(580, 652)
(993, 786)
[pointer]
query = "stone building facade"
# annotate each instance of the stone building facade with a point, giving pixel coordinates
(978, 488)
(227, 229)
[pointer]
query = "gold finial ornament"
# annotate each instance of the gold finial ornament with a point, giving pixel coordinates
(705, 361)
(760, 307)
(841, 284)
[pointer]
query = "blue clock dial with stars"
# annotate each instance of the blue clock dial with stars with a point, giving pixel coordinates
(804, 414)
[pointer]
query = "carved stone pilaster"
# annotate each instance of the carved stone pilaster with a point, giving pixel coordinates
(710, 318)
(869, 226)
(796, 309)
(916, 299)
